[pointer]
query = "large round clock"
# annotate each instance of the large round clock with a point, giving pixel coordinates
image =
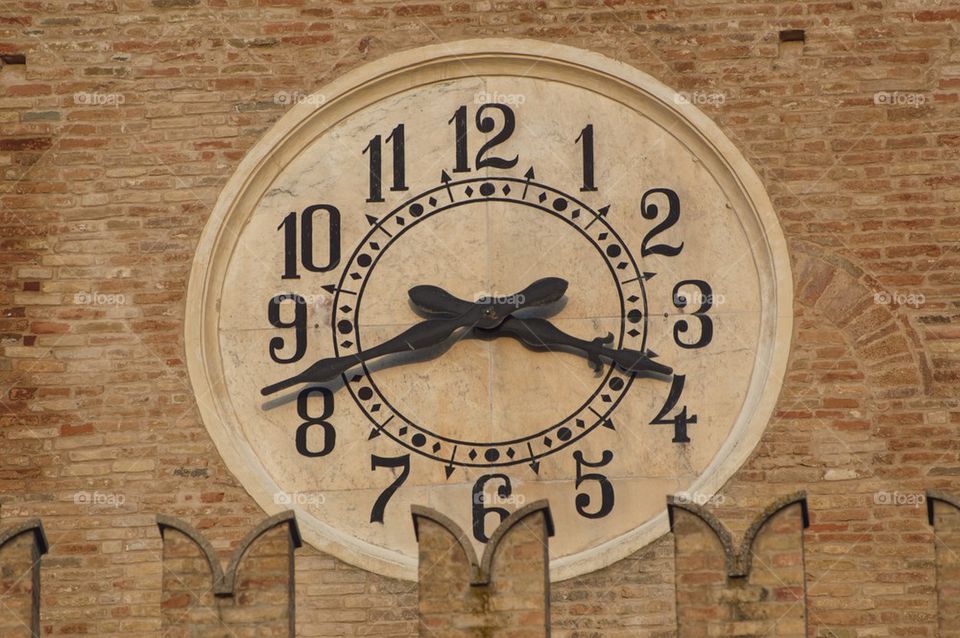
(477, 274)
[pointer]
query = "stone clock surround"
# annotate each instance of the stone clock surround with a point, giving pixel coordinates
(490, 56)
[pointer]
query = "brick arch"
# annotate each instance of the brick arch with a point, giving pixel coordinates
(887, 347)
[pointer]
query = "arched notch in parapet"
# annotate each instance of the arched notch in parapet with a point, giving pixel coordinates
(224, 584)
(480, 570)
(943, 497)
(33, 527)
(738, 562)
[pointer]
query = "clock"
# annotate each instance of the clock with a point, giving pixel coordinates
(474, 275)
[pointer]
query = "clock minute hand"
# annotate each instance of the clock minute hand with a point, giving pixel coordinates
(425, 334)
(432, 332)
(541, 334)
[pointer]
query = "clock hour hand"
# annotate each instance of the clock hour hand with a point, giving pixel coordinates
(432, 332)
(536, 333)
(542, 335)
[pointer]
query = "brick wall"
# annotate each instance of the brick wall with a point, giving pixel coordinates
(129, 115)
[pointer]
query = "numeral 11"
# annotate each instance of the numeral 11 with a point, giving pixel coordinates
(376, 164)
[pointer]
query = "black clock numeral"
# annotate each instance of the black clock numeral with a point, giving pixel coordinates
(680, 300)
(376, 164)
(650, 211)
(289, 226)
(299, 324)
(484, 125)
(376, 514)
(682, 419)
(583, 500)
(329, 432)
(481, 510)
(586, 136)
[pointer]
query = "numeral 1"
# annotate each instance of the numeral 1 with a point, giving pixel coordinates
(586, 135)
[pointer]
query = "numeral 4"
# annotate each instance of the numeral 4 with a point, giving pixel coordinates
(681, 420)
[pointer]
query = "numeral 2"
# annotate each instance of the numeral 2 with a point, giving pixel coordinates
(650, 211)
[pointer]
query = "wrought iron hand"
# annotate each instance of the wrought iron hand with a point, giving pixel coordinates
(484, 313)
(538, 334)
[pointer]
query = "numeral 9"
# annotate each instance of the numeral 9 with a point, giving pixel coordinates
(299, 324)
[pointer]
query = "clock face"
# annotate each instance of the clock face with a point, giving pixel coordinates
(470, 282)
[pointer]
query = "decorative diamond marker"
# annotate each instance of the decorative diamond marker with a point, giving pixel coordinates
(506, 189)
(543, 197)
(375, 407)
(633, 298)
(356, 378)
(580, 423)
(436, 447)
(547, 441)
(633, 332)
(345, 308)
(621, 265)
(606, 398)
(433, 201)
(346, 344)
(402, 431)
(355, 276)
(575, 214)
(510, 452)
(472, 454)
(468, 191)
(602, 236)
(374, 245)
